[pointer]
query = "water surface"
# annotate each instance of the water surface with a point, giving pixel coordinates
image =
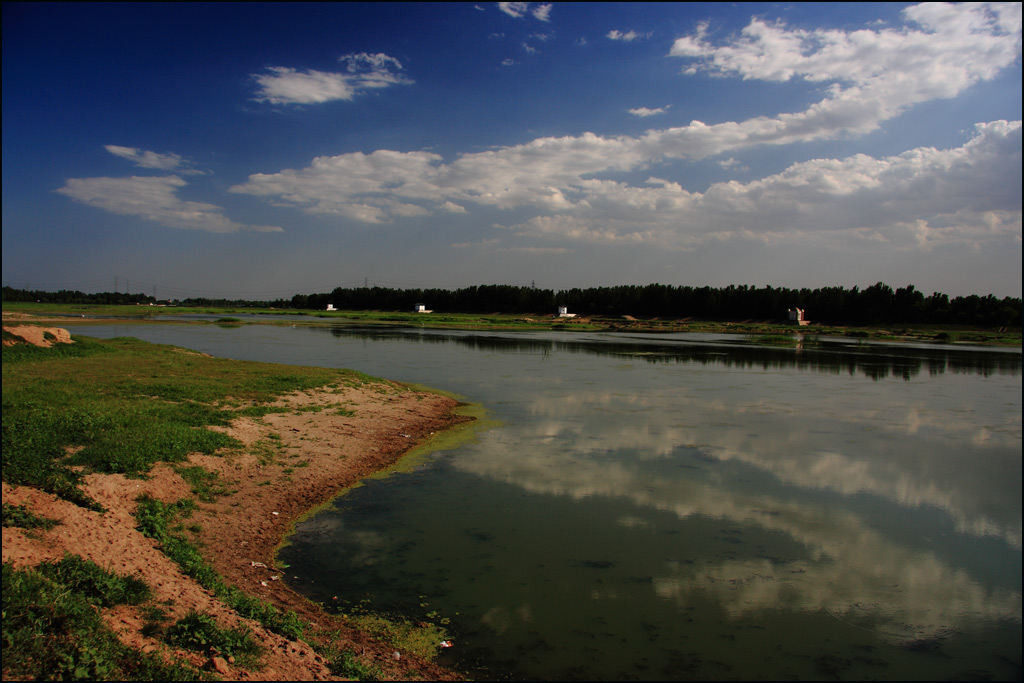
(683, 506)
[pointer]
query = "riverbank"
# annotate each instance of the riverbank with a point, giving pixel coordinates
(69, 314)
(309, 446)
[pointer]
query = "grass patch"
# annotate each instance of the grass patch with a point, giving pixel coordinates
(260, 410)
(22, 351)
(23, 518)
(52, 629)
(267, 450)
(156, 619)
(200, 632)
(90, 581)
(346, 663)
(121, 405)
(309, 408)
(205, 484)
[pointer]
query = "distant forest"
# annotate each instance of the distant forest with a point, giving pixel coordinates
(879, 304)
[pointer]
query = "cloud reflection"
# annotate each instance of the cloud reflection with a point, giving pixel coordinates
(677, 451)
(910, 455)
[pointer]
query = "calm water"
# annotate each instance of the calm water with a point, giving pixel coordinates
(683, 506)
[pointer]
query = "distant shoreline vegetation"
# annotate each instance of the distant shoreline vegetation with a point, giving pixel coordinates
(877, 304)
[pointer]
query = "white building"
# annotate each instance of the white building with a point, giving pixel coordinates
(420, 308)
(563, 312)
(796, 316)
(330, 307)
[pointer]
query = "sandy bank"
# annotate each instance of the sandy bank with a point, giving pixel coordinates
(291, 462)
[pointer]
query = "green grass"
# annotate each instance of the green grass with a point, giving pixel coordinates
(90, 581)
(52, 629)
(200, 632)
(121, 405)
(206, 485)
(23, 518)
(347, 664)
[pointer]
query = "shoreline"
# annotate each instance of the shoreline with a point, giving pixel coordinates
(372, 439)
(888, 333)
(291, 463)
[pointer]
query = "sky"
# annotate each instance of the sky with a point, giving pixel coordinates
(261, 150)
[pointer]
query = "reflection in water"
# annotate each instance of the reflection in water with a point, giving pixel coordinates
(883, 505)
(844, 564)
(876, 361)
(909, 455)
(686, 506)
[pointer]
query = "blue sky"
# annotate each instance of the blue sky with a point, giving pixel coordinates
(262, 150)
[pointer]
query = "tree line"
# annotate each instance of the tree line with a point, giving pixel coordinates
(67, 296)
(878, 304)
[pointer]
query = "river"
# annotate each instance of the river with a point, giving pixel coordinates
(681, 506)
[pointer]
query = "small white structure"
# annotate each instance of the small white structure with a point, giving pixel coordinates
(420, 308)
(563, 312)
(330, 307)
(796, 317)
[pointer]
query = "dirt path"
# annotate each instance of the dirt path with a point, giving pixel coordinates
(291, 462)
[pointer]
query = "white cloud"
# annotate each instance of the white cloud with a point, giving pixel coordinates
(959, 44)
(644, 112)
(514, 9)
(872, 76)
(364, 71)
(885, 71)
(283, 85)
(146, 159)
(153, 199)
(967, 195)
(923, 196)
(518, 10)
(452, 207)
(731, 163)
(374, 70)
(628, 36)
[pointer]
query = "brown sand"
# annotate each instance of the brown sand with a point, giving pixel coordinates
(272, 482)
